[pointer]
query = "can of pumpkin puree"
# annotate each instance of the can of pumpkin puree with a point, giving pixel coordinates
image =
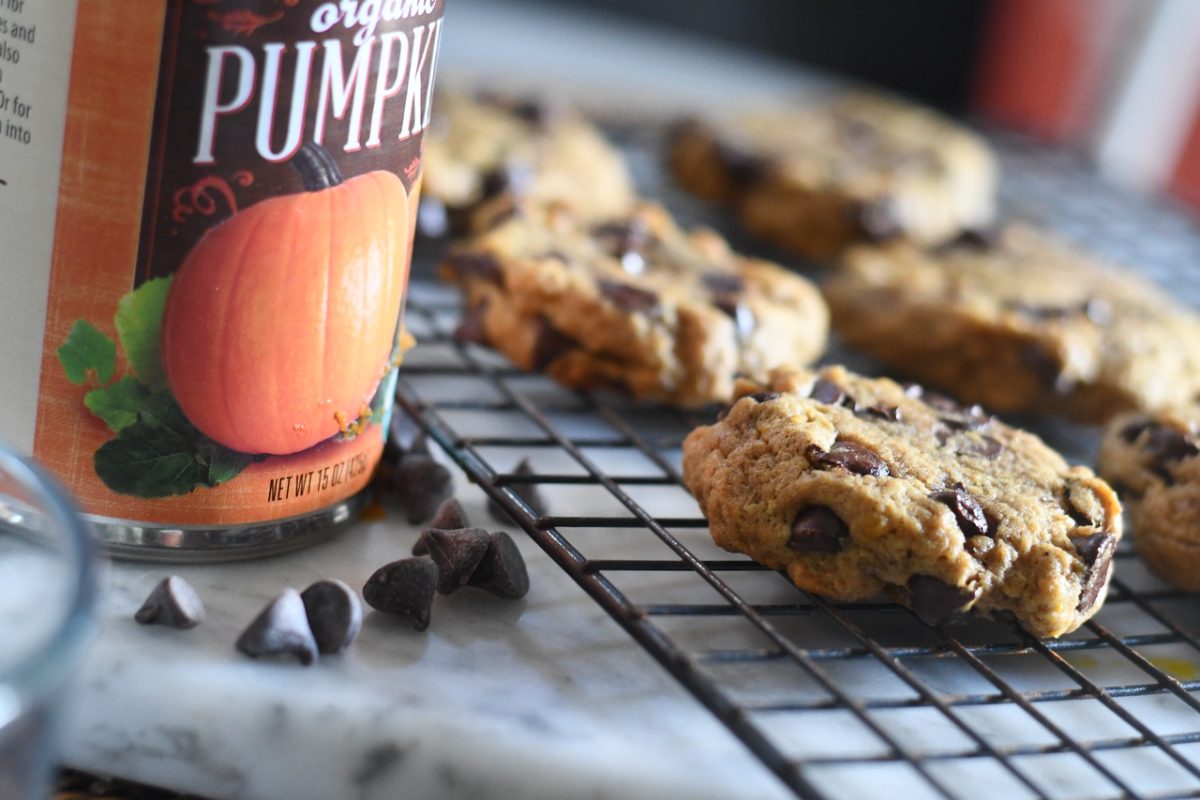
(207, 218)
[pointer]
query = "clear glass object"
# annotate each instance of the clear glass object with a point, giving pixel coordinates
(47, 588)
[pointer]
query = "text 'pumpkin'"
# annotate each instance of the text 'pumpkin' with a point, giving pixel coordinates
(282, 318)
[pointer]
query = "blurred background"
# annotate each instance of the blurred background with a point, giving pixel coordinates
(1117, 80)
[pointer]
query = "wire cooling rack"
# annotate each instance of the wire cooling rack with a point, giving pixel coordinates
(838, 699)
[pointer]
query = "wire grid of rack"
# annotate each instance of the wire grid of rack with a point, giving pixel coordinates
(838, 699)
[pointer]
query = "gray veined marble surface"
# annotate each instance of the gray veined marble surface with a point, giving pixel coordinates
(541, 698)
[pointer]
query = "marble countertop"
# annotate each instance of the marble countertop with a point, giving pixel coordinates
(543, 697)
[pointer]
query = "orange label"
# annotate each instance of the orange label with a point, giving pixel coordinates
(236, 206)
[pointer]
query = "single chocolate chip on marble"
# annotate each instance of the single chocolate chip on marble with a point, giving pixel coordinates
(817, 529)
(449, 516)
(404, 587)
(548, 344)
(935, 601)
(420, 484)
(526, 491)
(628, 298)
(1097, 552)
(173, 603)
(470, 265)
(457, 554)
(281, 628)
(502, 570)
(334, 615)
(967, 511)
(850, 456)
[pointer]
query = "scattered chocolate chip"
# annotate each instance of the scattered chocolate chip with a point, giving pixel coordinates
(334, 615)
(628, 298)
(972, 443)
(936, 602)
(526, 491)
(514, 177)
(827, 392)
(420, 484)
(724, 282)
(457, 553)
(404, 587)
(1166, 445)
(173, 603)
(817, 529)
(280, 628)
(502, 570)
(967, 511)
(1097, 552)
(404, 438)
(879, 220)
(743, 318)
(742, 167)
(974, 239)
(471, 265)
(1133, 430)
(764, 397)
(850, 456)
(549, 344)
(1045, 366)
(880, 411)
(449, 516)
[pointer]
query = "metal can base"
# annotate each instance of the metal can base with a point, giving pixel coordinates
(197, 544)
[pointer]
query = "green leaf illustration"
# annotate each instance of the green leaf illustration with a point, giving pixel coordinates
(139, 322)
(88, 350)
(162, 454)
(118, 403)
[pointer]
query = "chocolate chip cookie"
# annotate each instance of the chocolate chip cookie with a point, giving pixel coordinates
(485, 151)
(633, 303)
(1154, 461)
(1019, 322)
(857, 486)
(818, 177)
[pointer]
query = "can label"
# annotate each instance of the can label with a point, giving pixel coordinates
(234, 223)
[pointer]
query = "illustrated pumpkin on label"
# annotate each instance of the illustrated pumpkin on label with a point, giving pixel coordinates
(281, 320)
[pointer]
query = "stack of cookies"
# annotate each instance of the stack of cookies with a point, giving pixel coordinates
(855, 486)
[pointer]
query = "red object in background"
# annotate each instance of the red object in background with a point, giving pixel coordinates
(1033, 62)
(1185, 181)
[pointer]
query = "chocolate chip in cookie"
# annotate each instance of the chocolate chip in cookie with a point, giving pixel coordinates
(629, 298)
(935, 601)
(817, 529)
(850, 456)
(1097, 553)
(967, 511)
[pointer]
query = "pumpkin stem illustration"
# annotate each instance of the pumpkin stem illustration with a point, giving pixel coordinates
(316, 167)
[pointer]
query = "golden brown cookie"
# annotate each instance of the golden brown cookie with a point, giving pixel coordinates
(483, 151)
(634, 303)
(1154, 461)
(857, 486)
(815, 178)
(1020, 322)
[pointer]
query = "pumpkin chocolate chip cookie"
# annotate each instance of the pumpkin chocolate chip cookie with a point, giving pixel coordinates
(815, 178)
(1154, 461)
(633, 303)
(1020, 322)
(857, 486)
(485, 151)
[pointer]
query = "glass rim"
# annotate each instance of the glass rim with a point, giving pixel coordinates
(44, 662)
